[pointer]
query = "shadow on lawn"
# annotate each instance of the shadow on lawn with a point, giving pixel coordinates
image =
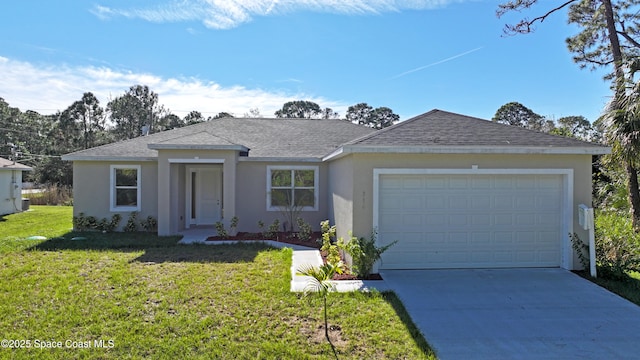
(156, 249)
(402, 313)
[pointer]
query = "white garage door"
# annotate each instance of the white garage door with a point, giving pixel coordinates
(470, 221)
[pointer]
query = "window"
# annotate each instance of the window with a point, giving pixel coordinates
(294, 186)
(125, 187)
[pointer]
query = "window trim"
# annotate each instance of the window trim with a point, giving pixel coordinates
(316, 185)
(112, 188)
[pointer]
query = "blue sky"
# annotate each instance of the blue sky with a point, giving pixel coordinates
(213, 56)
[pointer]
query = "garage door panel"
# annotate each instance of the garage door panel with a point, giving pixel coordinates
(435, 182)
(526, 219)
(433, 238)
(478, 183)
(548, 220)
(481, 220)
(480, 202)
(391, 182)
(463, 221)
(389, 221)
(525, 183)
(458, 202)
(412, 183)
(435, 202)
(503, 183)
(502, 219)
(458, 219)
(435, 220)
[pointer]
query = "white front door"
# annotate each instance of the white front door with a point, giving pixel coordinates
(204, 195)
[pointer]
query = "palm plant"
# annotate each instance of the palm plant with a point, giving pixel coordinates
(622, 120)
(320, 284)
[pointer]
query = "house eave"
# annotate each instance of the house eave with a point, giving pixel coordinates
(107, 158)
(354, 149)
(197, 147)
(19, 168)
(280, 159)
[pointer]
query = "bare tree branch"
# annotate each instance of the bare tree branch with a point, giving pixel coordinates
(524, 26)
(626, 35)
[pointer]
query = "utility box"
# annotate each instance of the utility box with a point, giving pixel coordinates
(25, 204)
(585, 219)
(585, 216)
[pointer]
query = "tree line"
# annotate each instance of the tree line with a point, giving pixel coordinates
(575, 126)
(608, 37)
(38, 140)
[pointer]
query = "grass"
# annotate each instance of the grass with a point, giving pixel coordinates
(617, 247)
(628, 288)
(156, 299)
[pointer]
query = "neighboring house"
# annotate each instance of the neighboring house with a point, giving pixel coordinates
(455, 191)
(11, 186)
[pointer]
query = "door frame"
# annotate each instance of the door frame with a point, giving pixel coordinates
(566, 251)
(189, 191)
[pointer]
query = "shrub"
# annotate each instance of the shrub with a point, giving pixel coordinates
(150, 224)
(272, 230)
(617, 246)
(582, 249)
(132, 224)
(221, 230)
(328, 243)
(364, 253)
(82, 222)
(234, 224)
(305, 230)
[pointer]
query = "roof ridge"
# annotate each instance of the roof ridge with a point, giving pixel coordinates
(384, 130)
(222, 137)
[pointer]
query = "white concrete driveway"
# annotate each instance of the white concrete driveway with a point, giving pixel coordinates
(517, 314)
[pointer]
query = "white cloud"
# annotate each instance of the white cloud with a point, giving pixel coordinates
(47, 89)
(227, 14)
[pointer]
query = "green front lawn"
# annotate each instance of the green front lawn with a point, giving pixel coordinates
(154, 299)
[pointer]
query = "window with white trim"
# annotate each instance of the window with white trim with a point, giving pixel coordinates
(125, 190)
(292, 186)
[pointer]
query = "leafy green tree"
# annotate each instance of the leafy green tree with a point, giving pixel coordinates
(359, 113)
(383, 117)
(365, 114)
(299, 109)
(609, 36)
(137, 108)
(83, 123)
(10, 129)
(80, 126)
(253, 113)
(516, 114)
(329, 113)
(574, 126)
(223, 114)
(172, 121)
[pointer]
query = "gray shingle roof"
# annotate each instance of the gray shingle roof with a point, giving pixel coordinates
(434, 131)
(6, 164)
(283, 138)
(441, 128)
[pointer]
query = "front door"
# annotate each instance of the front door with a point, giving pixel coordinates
(204, 194)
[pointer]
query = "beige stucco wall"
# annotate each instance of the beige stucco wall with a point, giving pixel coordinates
(91, 188)
(10, 197)
(341, 194)
(361, 206)
(252, 195)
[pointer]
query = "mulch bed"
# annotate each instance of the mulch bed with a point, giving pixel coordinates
(289, 238)
(292, 238)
